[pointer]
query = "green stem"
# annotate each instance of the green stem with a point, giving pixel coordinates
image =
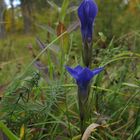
(82, 102)
(82, 117)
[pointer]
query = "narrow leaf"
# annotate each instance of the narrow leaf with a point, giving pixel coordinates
(7, 132)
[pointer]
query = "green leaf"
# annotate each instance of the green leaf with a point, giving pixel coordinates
(63, 10)
(130, 85)
(7, 132)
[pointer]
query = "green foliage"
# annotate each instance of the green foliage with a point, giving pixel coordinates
(7, 132)
(36, 106)
(63, 9)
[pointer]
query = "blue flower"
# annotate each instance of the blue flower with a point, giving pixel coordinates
(87, 12)
(83, 77)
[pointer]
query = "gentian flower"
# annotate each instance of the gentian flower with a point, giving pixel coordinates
(83, 77)
(87, 12)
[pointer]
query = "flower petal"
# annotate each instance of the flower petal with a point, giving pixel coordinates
(91, 9)
(97, 70)
(85, 77)
(72, 72)
(78, 69)
(87, 12)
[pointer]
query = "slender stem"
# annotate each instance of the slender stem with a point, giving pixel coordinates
(82, 118)
(87, 53)
(81, 104)
(83, 99)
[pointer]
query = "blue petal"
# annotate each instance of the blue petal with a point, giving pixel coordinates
(87, 12)
(81, 13)
(72, 72)
(97, 70)
(78, 69)
(91, 10)
(84, 77)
